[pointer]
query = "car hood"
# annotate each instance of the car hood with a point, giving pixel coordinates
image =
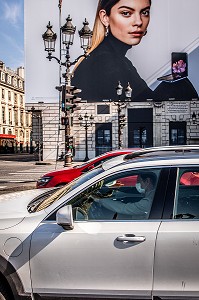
(13, 207)
(59, 172)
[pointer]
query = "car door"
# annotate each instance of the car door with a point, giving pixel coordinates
(103, 254)
(176, 268)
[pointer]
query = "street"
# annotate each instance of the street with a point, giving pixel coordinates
(21, 171)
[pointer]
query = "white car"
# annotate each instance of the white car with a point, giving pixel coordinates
(126, 232)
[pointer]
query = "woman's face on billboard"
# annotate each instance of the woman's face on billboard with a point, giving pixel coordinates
(128, 20)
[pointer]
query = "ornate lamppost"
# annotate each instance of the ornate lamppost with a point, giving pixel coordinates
(86, 121)
(68, 92)
(120, 105)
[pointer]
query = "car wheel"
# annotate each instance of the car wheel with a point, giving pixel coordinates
(5, 294)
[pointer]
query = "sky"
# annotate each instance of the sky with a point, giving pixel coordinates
(12, 33)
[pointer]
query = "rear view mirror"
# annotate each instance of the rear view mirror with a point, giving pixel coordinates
(64, 217)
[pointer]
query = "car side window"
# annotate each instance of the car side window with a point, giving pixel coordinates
(187, 194)
(126, 196)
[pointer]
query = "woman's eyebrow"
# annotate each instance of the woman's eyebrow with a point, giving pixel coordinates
(128, 7)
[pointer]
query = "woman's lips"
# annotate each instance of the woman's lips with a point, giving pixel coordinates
(136, 33)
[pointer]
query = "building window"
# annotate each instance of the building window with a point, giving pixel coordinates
(140, 137)
(4, 130)
(177, 133)
(20, 84)
(21, 99)
(2, 76)
(15, 82)
(140, 127)
(27, 120)
(9, 131)
(22, 134)
(103, 138)
(16, 117)
(103, 109)
(15, 98)
(3, 94)
(3, 115)
(10, 116)
(21, 118)
(9, 95)
(9, 81)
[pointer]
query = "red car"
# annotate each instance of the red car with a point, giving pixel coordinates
(64, 176)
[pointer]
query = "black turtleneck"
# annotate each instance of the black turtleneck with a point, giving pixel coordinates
(99, 73)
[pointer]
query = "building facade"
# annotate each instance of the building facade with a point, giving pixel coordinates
(147, 124)
(15, 122)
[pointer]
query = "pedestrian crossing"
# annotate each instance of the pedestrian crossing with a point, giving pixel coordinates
(22, 176)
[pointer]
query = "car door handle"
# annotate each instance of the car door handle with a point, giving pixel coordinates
(131, 238)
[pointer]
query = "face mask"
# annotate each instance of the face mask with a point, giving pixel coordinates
(139, 189)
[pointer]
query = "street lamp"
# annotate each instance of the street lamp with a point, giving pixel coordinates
(194, 117)
(86, 121)
(67, 32)
(120, 105)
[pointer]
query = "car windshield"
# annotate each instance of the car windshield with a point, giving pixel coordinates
(46, 199)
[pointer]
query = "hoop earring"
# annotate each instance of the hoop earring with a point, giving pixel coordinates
(145, 33)
(106, 30)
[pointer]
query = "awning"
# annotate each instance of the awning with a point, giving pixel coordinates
(7, 136)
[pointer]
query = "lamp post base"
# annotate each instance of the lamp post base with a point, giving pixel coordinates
(68, 160)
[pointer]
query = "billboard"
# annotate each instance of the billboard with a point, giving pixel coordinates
(150, 59)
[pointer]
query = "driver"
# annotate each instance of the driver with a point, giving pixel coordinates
(145, 185)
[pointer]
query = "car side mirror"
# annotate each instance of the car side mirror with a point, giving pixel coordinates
(64, 217)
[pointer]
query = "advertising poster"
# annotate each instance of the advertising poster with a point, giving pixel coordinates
(162, 65)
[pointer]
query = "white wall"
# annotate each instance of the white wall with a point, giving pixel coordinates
(173, 27)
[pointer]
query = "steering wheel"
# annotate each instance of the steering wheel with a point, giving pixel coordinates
(98, 212)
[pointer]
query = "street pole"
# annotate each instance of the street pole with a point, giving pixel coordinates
(86, 137)
(119, 127)
(121, 104)
(86, 121)
(67, 32)
(39, 138)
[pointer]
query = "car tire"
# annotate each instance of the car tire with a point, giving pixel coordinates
(5, 294)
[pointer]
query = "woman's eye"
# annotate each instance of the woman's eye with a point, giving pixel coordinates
(126, 13)
(146, 13)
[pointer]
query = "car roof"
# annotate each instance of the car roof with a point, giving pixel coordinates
(160, 162)
(155, 153)
(164, 151)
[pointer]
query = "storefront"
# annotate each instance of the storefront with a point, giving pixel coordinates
(7, 143)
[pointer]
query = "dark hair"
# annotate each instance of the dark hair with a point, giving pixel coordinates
(150, 175)
(108, 4)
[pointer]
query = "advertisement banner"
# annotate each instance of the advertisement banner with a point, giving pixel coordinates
(138, 43)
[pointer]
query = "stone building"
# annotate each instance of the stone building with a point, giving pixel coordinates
(15, 122)
(148, 123)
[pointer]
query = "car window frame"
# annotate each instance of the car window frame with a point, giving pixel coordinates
(157, 206)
